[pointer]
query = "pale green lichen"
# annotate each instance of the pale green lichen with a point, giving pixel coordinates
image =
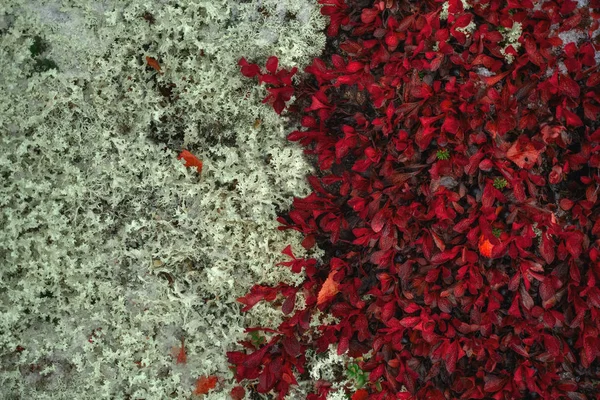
(103, 227)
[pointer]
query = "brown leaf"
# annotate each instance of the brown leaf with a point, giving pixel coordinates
(151, 61)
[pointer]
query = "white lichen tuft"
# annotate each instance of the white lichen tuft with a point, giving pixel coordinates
(572, 36)
(446, 8)
(511, 38)
(469, 29)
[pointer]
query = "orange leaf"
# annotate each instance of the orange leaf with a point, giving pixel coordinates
(523, 153)
(492, 80)
(153, 63)
(329, 289)
(204, 384)
(190, 160)
(485, 247)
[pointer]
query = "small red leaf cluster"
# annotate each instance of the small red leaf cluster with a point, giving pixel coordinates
(456, 200)
(280, 82)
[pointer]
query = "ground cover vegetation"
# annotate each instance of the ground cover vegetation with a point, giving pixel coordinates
(457, 155)
(119, 265)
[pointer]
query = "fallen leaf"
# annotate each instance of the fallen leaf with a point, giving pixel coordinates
(492, 80)
(485, 247)
(329, 289)
(151, 61)
(238, 393)
(204, 384)
(360, 394)
(190, 160)
(523, 153)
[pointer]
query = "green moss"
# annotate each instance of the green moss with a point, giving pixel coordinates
(500, 183)
(443, 154)
(359, 376)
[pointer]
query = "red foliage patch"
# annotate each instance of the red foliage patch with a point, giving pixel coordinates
(456, 200)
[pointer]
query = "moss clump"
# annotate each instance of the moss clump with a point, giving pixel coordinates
(443, 154)
(500, 183)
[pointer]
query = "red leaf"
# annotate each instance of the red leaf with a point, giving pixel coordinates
(486, 165)
(451, 124)
(292, 346)
(248, 70)
(513, 310)
(378, 221)
(569, 87)
(532, 52)
(237, 393)
(329, 289)
(547, 246)
(179, 352)
(288, 305)
(445, 256)
(360, 394)
(270, 79)
(573, 244)
(571, 118)
(523, 153)
(272, 64)
(546, 290)
(451, 357)
(410, 322)
(566, 204)
(254, 360)
(266, 381)
(552, 345)
(257, 293)
(388, 311)
(526, 299)
(354, 66)
(493, 383)
(343, 345)
(190, 160)
(204, 384)
(492, 80)
(589, 350)
(463, 20)
(438, 241)
(368, 15)
(485, 247)
(593, 80)
(151, 61)
(309, 242)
